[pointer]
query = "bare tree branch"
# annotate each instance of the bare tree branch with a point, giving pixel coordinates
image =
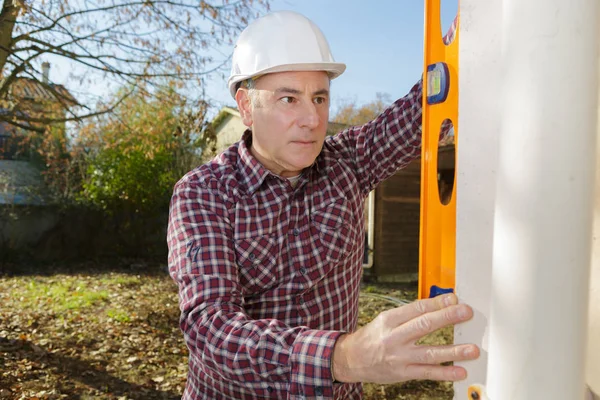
(8, 17)
(127, 42)
(17, 118)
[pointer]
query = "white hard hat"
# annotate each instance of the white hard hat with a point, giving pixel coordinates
(278, 42)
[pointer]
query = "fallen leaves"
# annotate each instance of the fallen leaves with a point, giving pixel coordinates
(110, 335)
(101, 336)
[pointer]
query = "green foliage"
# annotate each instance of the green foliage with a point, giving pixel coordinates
(59, 295)
(136, 156)
(62, 168)
(134, 178)
(370, 289)
(349, 113)
(116, 174)
(119, 316)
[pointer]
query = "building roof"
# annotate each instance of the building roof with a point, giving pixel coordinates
(31, 89)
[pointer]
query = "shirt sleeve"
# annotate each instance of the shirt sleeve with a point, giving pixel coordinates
(391, 141)
(262, 355)
(381, 147)
(449, 36)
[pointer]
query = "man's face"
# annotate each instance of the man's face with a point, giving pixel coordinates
(288, 114)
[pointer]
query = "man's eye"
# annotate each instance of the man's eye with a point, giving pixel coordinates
(288, 99)
(320, 100)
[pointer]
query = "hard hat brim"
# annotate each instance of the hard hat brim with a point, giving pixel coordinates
(333, 70)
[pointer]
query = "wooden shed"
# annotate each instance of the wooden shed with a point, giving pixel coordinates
(396, 225)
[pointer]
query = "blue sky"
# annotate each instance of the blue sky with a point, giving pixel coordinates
(381, 42)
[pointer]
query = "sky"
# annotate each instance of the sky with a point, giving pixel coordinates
(380, 41)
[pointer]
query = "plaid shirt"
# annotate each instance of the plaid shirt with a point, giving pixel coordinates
(268, 273)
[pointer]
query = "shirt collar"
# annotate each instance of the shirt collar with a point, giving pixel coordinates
(254, 173)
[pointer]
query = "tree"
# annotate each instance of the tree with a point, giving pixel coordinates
(135, 155)
(129, 42)
(349, 113)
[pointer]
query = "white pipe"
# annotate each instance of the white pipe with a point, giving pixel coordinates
(477, 158)
(370, 228)
(542, 225)
(593, 349)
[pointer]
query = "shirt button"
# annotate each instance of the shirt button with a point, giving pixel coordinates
(296, 231)
(252, 256)
(270, 389)
(319, 391)
(301, 300)
(303, 271)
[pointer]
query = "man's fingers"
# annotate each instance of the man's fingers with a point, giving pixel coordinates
(400, 315)
(442, 354)
(435, 372)
(424, 324)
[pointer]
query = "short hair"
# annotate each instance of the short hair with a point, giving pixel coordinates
(250, 85)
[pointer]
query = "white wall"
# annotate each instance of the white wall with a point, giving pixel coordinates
(528, 86)
(231, 131)
(593, 349)
(544, 200)
(479, 124)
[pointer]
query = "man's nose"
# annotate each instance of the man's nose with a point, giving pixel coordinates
(309, 117)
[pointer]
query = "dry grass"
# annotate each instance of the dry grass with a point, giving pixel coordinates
(88, 333)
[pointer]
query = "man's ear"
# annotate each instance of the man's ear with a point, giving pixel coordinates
(242, 98)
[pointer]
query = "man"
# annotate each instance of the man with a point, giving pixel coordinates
(266, 240)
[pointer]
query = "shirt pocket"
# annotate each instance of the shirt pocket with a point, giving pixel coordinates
(332, 225)
(256, 261)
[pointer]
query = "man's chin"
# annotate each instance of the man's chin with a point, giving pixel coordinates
(301, 166)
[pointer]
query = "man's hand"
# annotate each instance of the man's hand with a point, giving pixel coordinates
(385, 350)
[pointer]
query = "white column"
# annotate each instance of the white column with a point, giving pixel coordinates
(544, 200)
(593, 350)
(479, 122)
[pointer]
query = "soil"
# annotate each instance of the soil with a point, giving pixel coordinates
(109, 330)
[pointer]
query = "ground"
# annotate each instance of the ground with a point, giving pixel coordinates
(109, 330)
